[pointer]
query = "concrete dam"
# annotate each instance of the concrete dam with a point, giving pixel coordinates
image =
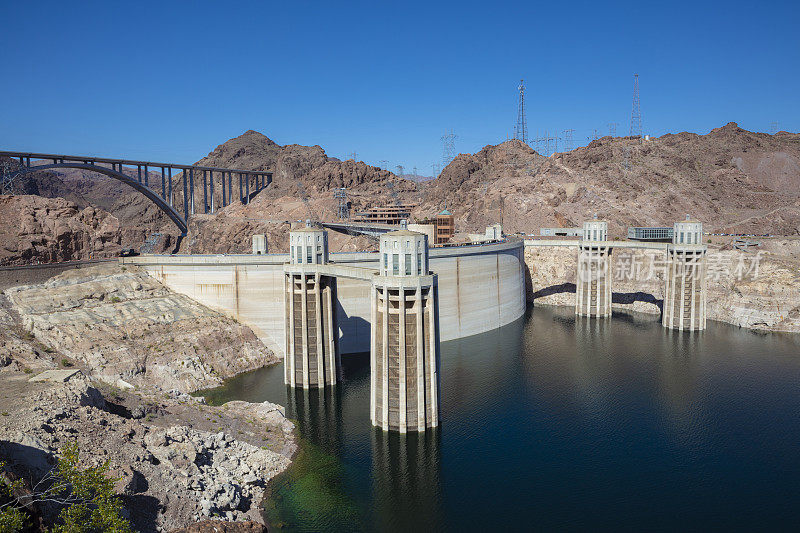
(480, 288)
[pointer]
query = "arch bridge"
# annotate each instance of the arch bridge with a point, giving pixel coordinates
(137, 174)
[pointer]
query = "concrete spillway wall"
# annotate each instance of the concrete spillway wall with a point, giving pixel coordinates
(481, 288)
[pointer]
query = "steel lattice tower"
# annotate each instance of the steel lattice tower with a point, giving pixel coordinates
(521, 130)
(568, 139)
(343, 210)
(636, 111)
(448, 148)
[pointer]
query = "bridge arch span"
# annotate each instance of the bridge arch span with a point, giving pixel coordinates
(149, 193)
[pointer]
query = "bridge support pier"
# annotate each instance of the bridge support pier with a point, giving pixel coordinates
(404, 344)
(685, 280)
(593, 287)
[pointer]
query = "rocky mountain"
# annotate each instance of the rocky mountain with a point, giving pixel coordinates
(732, 179)
(34, 229)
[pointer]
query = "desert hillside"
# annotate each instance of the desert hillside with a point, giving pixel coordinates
(732, 179)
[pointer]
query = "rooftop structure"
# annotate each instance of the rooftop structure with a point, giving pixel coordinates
(387, 214)
(650, 234)
(561, 232)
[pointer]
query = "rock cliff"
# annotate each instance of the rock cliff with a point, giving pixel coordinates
(35, 229)
(766, 299)
(125, 325)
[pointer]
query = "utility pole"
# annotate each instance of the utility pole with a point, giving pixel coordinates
(448, 147)
(521, 130)
(636, 110)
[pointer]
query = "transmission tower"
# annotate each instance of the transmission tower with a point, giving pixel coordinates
(384, 164)
(521, 130)
(393, 193)
(595, 135)
(304, 196)
(568, 140)
(448, 148)
(636, 110)
(435, 169)
(343, 210)
(352, 155)
(400, 170)
(773, 127)
(8, 174)
(612, 128)
(416, 177)
(543, 144)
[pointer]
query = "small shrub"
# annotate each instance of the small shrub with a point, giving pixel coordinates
(4, 413)
(115, 300)
(66, 362)
(27, 370)
(87, 495)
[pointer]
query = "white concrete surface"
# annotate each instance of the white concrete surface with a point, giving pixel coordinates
(481, 288)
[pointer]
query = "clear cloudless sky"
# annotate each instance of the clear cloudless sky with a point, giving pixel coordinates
(169, 81)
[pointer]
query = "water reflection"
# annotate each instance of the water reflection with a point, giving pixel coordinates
(557, 422)
(406, 477)
(318, 414)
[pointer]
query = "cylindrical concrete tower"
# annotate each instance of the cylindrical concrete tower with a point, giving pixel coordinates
(685, 279)
(312, 358)
(404, 348)
(593, 289)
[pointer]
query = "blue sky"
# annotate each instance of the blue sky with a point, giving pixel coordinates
(168, 81)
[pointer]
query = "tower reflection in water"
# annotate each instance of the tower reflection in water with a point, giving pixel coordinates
(406, 477)
(318, 412)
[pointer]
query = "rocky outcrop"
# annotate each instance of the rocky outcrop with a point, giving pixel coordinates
(766, 299)
(126, 327)
(35, 229)
(169, 475)
(732, 179)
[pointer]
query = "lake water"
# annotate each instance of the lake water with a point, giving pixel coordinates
(557, 422)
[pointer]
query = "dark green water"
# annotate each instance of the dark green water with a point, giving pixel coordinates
(558, 423)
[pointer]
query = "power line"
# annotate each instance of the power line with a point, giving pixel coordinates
(636, 110)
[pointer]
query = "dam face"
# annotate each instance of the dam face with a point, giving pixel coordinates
(480, 288)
